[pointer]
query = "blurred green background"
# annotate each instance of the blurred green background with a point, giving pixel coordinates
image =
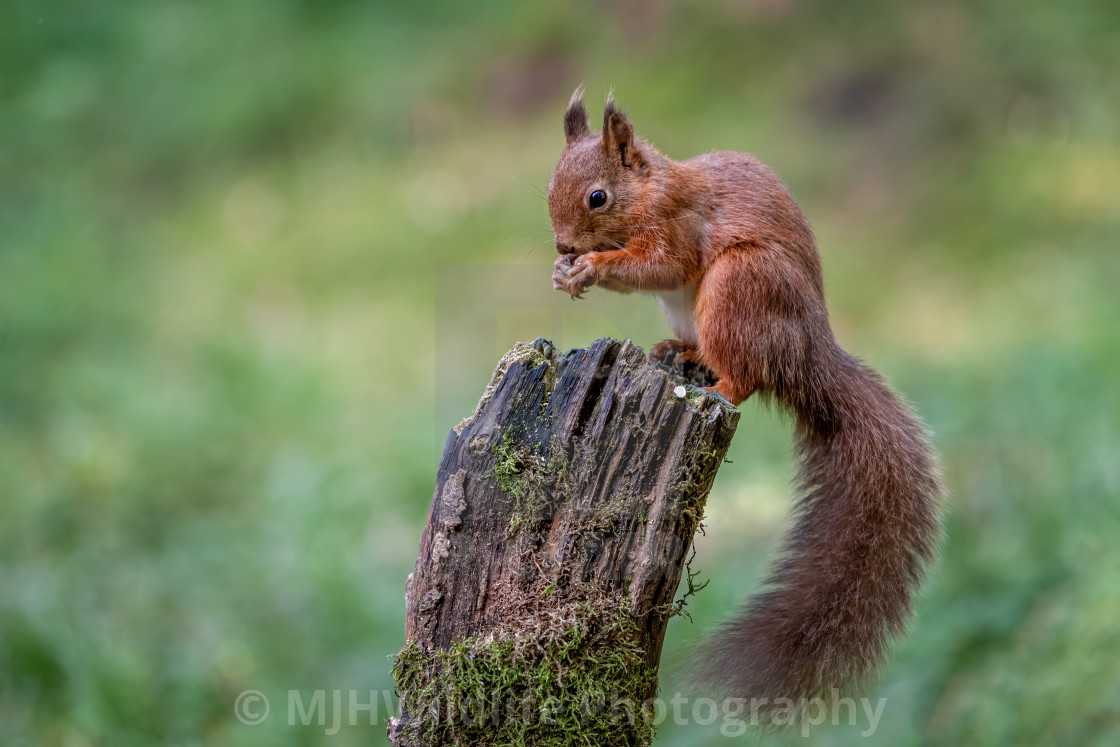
(223, 388)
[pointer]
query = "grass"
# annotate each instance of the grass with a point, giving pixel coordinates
(251, 264)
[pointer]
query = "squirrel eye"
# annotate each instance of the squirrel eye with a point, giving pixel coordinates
(597, 199)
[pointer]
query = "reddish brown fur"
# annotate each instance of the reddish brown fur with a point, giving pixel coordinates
(868, 519)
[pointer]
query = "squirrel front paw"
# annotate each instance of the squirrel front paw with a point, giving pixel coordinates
(582, 275)
(560, 269)
(574, 273)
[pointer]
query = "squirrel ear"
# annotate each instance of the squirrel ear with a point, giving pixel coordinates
(618, 135)
(575, 118)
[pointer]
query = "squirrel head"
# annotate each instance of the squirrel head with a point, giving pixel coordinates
(597, 188)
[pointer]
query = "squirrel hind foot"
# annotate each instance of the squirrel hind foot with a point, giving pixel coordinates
(667, 351)
(683, 358)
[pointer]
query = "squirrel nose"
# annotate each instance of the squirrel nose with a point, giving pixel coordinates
(562, 248)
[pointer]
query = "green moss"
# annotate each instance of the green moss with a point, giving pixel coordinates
(695, 395)
(510, 468)
(526, 353)
(697, 478)
(606, 518)
(678, 607)
(557, 466)
(526, 475)
(577, 677)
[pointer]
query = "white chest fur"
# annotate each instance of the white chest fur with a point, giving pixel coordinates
(677, 308)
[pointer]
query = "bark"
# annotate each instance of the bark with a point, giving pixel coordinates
(569, 498)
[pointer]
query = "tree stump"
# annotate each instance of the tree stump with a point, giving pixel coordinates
(563, 513)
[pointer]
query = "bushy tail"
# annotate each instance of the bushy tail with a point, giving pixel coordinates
(868, 522)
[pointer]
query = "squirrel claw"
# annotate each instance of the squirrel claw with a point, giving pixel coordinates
(572, 275)
(562, 268)
(581, 276)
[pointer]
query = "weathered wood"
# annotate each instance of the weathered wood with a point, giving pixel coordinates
(564, 510)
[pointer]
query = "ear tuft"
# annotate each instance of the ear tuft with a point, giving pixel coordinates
(618, 134)
(575, 118)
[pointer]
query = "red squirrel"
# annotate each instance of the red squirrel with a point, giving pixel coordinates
(727, 252)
